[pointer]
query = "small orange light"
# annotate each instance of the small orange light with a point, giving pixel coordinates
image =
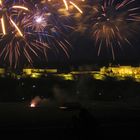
(32, 105)
(62, 107)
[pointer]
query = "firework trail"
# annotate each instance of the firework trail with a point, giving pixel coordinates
(26, 31)
(67, 5)
(8, 24)
(112, 23)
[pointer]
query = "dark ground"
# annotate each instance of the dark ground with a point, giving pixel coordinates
(109, 121)
(114, 113)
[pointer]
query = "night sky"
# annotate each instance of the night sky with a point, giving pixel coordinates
(84, 51)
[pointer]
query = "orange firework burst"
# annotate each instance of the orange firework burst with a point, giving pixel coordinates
(112, 23)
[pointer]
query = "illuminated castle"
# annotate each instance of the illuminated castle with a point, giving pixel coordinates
(122, 72)
(119, 73)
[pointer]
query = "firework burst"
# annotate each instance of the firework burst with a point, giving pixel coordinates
(27, 32)
(50, 27)
(112, 23)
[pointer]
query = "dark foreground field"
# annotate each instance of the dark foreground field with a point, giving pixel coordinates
(103, 120)
(108, 108)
